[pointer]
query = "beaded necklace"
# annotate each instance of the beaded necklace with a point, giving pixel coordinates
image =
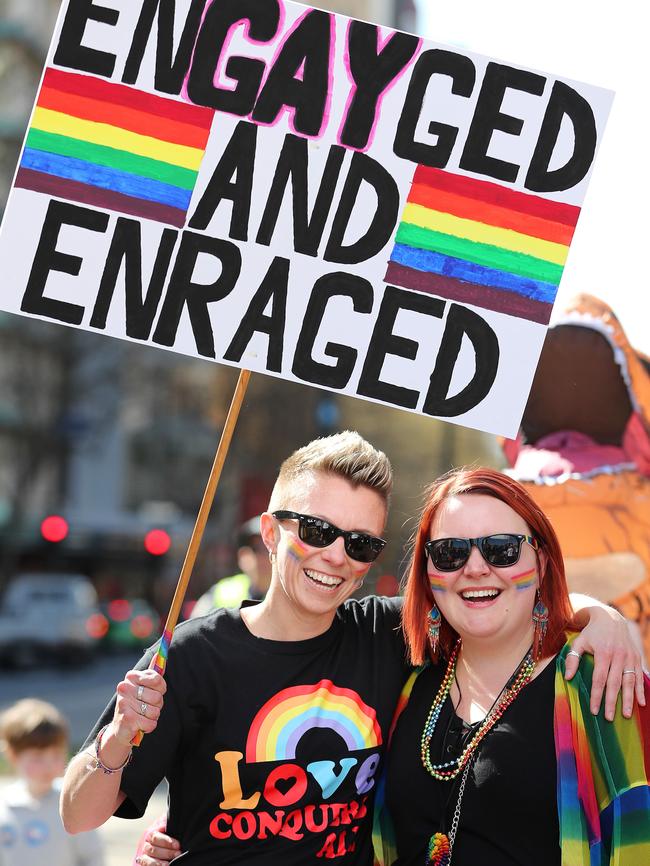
(450, 769)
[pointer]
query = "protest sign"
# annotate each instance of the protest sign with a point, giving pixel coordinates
(294, 192)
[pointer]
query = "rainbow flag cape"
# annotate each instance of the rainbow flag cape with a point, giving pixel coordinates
(480, 243)
(114, 147)
(603, 776)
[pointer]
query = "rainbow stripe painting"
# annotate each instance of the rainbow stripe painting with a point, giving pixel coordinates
(114, 147)
(285, 718)
(480, 243)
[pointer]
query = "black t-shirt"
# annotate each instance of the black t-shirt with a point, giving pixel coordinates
(272, 748)
(509, 809)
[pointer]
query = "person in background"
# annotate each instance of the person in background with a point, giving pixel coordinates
(251, 583)
(34, 737)
(496, 757)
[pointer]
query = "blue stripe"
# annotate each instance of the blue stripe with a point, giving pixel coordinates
(106, 178)
(448, 266)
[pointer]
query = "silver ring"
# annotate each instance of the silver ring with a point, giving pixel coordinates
(140, 692)
(574, 653)
(143, 709)
(629, 671)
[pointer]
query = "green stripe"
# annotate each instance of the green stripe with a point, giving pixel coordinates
(481, 254)
(99, 154)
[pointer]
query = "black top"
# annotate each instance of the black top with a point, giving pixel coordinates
(272, 748)
(509, 808)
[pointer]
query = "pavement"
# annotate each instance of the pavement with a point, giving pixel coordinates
(120, 836)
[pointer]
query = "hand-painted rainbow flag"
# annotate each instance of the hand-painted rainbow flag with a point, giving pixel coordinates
(480, 243)
(114, 147)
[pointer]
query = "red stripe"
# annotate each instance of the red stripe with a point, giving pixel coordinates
(497, 300)
(494, 193)
(130, 119)
(490, 214)
(120, 94)
(74, 190)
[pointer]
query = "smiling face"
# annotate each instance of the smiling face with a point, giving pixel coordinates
(311, 582)
(478, 600)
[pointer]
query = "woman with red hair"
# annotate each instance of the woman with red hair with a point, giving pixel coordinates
(496, 758)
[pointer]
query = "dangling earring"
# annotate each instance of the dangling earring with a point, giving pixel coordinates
(434, 621)
(360, 582)
(272, 556)
(540, 622)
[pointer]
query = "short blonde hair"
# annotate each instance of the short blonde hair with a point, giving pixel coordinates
(32, 724)
(347, 455)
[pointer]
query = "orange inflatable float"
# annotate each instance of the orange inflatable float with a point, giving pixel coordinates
(583, 452)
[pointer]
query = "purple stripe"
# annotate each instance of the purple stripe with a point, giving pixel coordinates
(469, 293)
(73, 190)
(317, 722)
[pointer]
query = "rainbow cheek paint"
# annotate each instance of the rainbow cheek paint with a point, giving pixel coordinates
(526, 579)
(437, 581)
(297, 549)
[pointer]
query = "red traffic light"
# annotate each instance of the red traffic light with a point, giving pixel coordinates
(157, 542)
(54, 528)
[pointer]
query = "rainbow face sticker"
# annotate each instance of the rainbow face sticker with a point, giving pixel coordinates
(526, 579)
(437, 581)
(297, 549)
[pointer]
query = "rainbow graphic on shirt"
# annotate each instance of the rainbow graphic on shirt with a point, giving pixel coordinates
(480, 243)
(526, 579)
(285, 718)
(114, 147)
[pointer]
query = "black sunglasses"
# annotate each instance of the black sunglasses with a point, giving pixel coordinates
(319, 533)
(501, 550)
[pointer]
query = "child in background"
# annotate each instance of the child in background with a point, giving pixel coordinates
(34, 736)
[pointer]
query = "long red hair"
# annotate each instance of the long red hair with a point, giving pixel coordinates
(418, 595)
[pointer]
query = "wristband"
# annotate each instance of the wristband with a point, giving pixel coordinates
(98, 764)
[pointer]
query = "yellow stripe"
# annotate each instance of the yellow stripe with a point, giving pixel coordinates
(120, 139)
(506, 239)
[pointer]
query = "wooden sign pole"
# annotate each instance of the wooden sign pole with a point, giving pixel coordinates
(159, 662)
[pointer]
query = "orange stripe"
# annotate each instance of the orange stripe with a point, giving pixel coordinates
(490, 214)
(120, 116)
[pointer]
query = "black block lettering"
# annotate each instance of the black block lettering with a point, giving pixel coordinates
(170, 70)
(294, 163)
(182, 291)
(263, 21)
(306, 48)
(126, 247)
(564, 101)
(326, 288)
(488, 117)
(237, 159)
(70, 52)
(373, 72)
(273, 288)
(363, 169)
(460, 323)
(384, 342)
(48, 258)
(463, 75)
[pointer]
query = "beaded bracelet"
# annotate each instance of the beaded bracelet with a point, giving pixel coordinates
(98, 764)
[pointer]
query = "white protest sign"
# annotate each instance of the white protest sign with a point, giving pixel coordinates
(301, 194)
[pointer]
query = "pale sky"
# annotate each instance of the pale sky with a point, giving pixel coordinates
(603, 44)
